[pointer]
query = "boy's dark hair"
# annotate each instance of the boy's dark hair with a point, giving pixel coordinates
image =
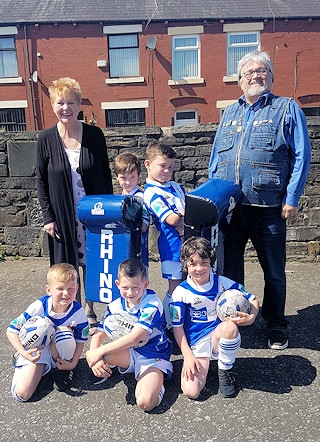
(156, 147)
(199, 245)
(126, 162)
(130, 268)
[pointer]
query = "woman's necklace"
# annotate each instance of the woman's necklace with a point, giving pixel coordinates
(75, 144)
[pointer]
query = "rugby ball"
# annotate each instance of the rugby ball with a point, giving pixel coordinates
(117, 325)
(36, 332)
(230, 302)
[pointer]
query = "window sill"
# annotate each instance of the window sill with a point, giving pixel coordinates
(4, 80)
(121, 80)
(186, 81)
(230, 79)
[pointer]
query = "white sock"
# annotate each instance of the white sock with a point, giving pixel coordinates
(161, 393)
(228, 349)
(65, 343)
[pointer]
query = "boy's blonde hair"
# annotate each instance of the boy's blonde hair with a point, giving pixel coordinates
(64, 87)
(126, 162)
(62, 272)
(156, 147)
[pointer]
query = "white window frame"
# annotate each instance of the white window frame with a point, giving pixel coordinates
(186, 49)
(245, 46)
(129, 63)
(125, 30)
(185, 122)
(8, 32)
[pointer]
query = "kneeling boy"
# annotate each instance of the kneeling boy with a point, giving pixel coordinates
(198, 331)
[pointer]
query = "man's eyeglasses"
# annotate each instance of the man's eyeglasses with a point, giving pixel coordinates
(259, 71)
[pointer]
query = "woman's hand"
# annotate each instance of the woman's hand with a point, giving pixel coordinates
(50, 228)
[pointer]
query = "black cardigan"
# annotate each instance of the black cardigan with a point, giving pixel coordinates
(55, 185)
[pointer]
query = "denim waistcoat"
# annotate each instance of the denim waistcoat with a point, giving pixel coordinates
(257, 157)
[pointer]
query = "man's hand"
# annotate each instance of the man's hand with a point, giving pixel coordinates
(289, 212)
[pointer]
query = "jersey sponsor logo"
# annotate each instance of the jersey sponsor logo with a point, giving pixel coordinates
(199, 315)
(158, 207)
(147, 314)
(175, 313)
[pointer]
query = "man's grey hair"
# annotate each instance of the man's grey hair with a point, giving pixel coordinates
(256, 56)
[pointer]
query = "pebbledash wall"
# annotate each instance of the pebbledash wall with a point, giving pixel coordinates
(21, 227)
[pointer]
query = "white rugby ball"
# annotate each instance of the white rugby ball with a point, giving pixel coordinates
(36, 332)
(117, 325)
(230, 302)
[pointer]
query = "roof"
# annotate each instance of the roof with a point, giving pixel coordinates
(62, 11)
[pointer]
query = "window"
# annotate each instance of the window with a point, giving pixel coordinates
(12, 120)
(8, 57)
(125, 117)
(311, 111)
(185, 56)
(123, 55)
(185, 117)
(239, 44)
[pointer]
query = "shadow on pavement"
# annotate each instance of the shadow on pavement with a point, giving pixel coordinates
(274, 375)
(270, 374)
(303, 330)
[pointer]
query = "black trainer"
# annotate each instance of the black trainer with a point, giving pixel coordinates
(227, 383)
(278, 339)
(63, 379)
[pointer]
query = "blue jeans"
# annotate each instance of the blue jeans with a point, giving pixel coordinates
(267, 231)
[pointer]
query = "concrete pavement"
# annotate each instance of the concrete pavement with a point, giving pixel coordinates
(279, 399)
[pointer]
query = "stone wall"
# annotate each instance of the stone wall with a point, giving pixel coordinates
(21, 232)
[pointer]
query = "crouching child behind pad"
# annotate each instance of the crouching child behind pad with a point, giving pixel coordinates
(143, 349)
(70, 333)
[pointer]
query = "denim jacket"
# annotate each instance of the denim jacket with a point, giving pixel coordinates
(257, 158)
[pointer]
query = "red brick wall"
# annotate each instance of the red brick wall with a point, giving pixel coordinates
(73, 50)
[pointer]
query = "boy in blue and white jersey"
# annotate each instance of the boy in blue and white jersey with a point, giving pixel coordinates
(143, 349)
(165, 201)
(71, 333)
(127, 169)
(200, 334)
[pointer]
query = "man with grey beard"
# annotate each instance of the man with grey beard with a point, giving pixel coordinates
(262, 144)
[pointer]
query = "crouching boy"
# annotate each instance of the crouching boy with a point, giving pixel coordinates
(144, 348)
(70, 332)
